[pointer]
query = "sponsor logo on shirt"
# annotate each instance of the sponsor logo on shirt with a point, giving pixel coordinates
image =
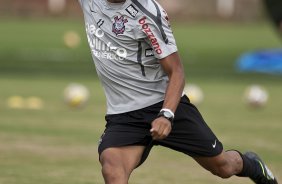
(132, 10)
(101, 49)
(154, 41)
(119, 25)
(149, 52)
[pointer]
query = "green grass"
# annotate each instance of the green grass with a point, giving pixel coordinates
(58, 145)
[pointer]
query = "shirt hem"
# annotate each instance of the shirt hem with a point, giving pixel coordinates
(134, 109)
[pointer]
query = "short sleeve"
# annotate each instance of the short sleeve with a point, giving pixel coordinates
(158, 32)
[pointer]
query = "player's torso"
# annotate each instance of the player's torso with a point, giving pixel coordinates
(125, 59)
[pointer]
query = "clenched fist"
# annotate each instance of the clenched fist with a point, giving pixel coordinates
(161, 127)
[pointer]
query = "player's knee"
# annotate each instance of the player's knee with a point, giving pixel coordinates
(221, 168)
(227, 166)
(223, 171)
(112, 169)
(113, 173)
(232, 164)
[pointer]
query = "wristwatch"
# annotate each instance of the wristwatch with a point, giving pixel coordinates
(168, 114)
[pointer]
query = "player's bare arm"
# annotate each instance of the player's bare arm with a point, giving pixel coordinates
(172, 65)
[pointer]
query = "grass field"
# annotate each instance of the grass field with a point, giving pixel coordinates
(58, 145)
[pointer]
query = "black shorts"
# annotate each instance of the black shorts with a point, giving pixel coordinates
(190, 134)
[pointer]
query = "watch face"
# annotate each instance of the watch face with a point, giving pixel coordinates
(167, 114)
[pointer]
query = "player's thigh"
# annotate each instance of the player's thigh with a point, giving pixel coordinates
(126, 157)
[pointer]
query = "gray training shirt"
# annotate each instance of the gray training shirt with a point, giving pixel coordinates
(126, 41)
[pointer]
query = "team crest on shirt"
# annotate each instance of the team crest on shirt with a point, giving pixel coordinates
(119, 25)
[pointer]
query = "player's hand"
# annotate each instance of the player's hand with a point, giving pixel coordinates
(161, 128)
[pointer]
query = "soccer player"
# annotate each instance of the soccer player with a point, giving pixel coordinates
(137, 61)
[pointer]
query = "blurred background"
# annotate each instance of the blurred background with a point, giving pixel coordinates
(52, 105)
